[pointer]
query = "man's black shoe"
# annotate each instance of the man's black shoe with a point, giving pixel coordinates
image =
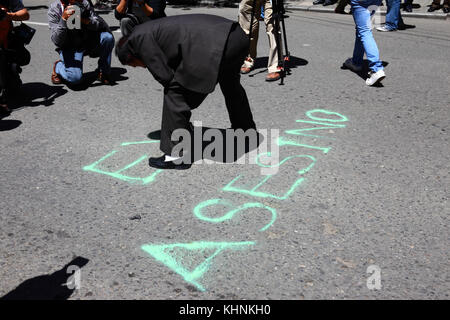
(405, 26)
(159, 163)
(433, 8)
(329, 3)
(318, 2)
(446, 9)
(408, 7)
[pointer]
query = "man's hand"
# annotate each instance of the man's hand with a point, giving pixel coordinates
(20, 15)
(68, 11)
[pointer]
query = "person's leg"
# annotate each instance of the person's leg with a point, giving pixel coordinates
(3, 83)
(229, 80)
(70, 68)
(272, 63)
(126, 26)
(393, 14)
(177, 105)
(245, 15)
(446, 6)
(358, 13)
(341, 6)
(106, 47)
(408, 5)
(361, 15)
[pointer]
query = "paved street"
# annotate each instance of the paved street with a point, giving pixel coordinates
(370, 188)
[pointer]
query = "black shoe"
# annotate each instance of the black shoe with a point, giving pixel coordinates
(318, 2)
(433, 8)
(159, 163)
(328, 3)
(408, 8)
(405, 26)
(446, 9)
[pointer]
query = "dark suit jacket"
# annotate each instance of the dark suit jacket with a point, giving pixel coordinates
(186, 49)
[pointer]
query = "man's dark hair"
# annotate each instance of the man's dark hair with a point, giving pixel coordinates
(123, 51)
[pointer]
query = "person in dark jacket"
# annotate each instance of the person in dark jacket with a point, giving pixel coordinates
(134, 12)
(188, 55)
(94, 38)
(12, 52)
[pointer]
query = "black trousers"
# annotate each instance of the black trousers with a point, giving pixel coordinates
(178, 101)
(15, 54)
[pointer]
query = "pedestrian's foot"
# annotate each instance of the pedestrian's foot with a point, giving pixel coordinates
(340, 11)
(328, 3)
(273, 76)
(318, 2)
(4, 110)
(375, 77)
(408, 8)
(161, 163)
(350, 65)
(433, 8)
(245, 70)
(405, 26)
(385, 29)
(105, 78)
(446, 9)
(56, 79)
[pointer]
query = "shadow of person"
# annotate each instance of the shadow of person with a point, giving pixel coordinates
(89, 79)
(35, 94)
(6, 125)
(216, 144)
(48, 287)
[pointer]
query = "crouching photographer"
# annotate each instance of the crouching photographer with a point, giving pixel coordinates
(134, 12)
(13, 54)
(77, 30)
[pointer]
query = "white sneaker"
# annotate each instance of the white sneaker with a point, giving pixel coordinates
(350, 65)
(375, 77)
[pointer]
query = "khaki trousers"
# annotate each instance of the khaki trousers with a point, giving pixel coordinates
(245, 14)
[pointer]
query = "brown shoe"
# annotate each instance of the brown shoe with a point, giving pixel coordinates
(273, 76)
(4, 110)
(105, 78)
(55, 77)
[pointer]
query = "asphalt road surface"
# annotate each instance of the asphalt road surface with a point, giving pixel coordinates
(361, 203)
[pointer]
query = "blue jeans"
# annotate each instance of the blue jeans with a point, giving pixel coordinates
(364, 41)
(70, 68)
(393, 16)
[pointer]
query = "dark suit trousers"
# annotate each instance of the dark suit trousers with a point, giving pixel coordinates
(178, 101)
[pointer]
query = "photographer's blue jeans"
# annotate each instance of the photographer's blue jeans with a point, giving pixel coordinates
(364, 41)
(71, 66)
(393, 16)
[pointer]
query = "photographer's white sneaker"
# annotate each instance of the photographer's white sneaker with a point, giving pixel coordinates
(350, 65)
(375, 77)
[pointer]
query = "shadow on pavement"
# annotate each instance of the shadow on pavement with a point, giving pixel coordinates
(90, 77)
(6, 125)
(365, 70)
(35, 94)
(47, 287)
